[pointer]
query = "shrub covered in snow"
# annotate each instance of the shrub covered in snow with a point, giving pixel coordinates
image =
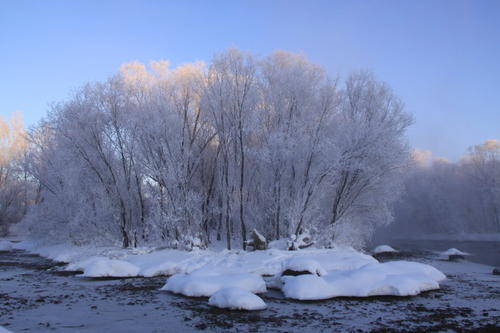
(302, 241)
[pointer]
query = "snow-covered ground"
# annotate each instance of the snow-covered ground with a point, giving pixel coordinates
(5, 245)
(147, 262)
(329, 272)
(33, 292)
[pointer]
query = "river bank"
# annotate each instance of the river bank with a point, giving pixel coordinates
(36, 295)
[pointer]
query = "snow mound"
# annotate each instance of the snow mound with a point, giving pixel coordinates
(306, 287)
(164, 268)
(384, 249)
(397, 278)
(151, 264)
(6, 246)
(154, 262)
(167, 262)
(103, 267)
(82, 265)
(303, 264)
(453, 252)
(280, 244)
(4, 330)
(206, 284)
(342, 259)
(236, 299)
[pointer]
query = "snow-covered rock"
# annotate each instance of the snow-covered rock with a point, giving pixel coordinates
(298, 265)
(200, 284)
(6, 245)
(257, 241)
(384, 249)
(453, 252)
(236, 299)
(398, 278)
(103, 267)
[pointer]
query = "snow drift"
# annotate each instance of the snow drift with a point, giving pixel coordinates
(316, 273)
(203, 284)
(301, 264)
(6, 246)
(111, 268)
(397, 278)
(236, 299)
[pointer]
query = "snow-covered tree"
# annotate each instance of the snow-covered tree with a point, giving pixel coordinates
(14, 187)
(181, 155)
(452, 198)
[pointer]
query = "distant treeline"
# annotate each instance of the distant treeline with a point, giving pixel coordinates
(441, 197)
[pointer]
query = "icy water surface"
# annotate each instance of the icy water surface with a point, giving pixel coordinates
(35, 296)
(483, 252)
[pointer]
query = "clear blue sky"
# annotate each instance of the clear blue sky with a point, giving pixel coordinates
(441, 57)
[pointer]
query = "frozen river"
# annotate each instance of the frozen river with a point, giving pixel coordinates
(483, 252)
(36, 296)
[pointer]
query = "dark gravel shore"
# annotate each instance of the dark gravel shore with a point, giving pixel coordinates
(36, 296)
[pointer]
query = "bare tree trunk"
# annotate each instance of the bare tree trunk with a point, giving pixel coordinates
(242, 184)
(228, 202)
